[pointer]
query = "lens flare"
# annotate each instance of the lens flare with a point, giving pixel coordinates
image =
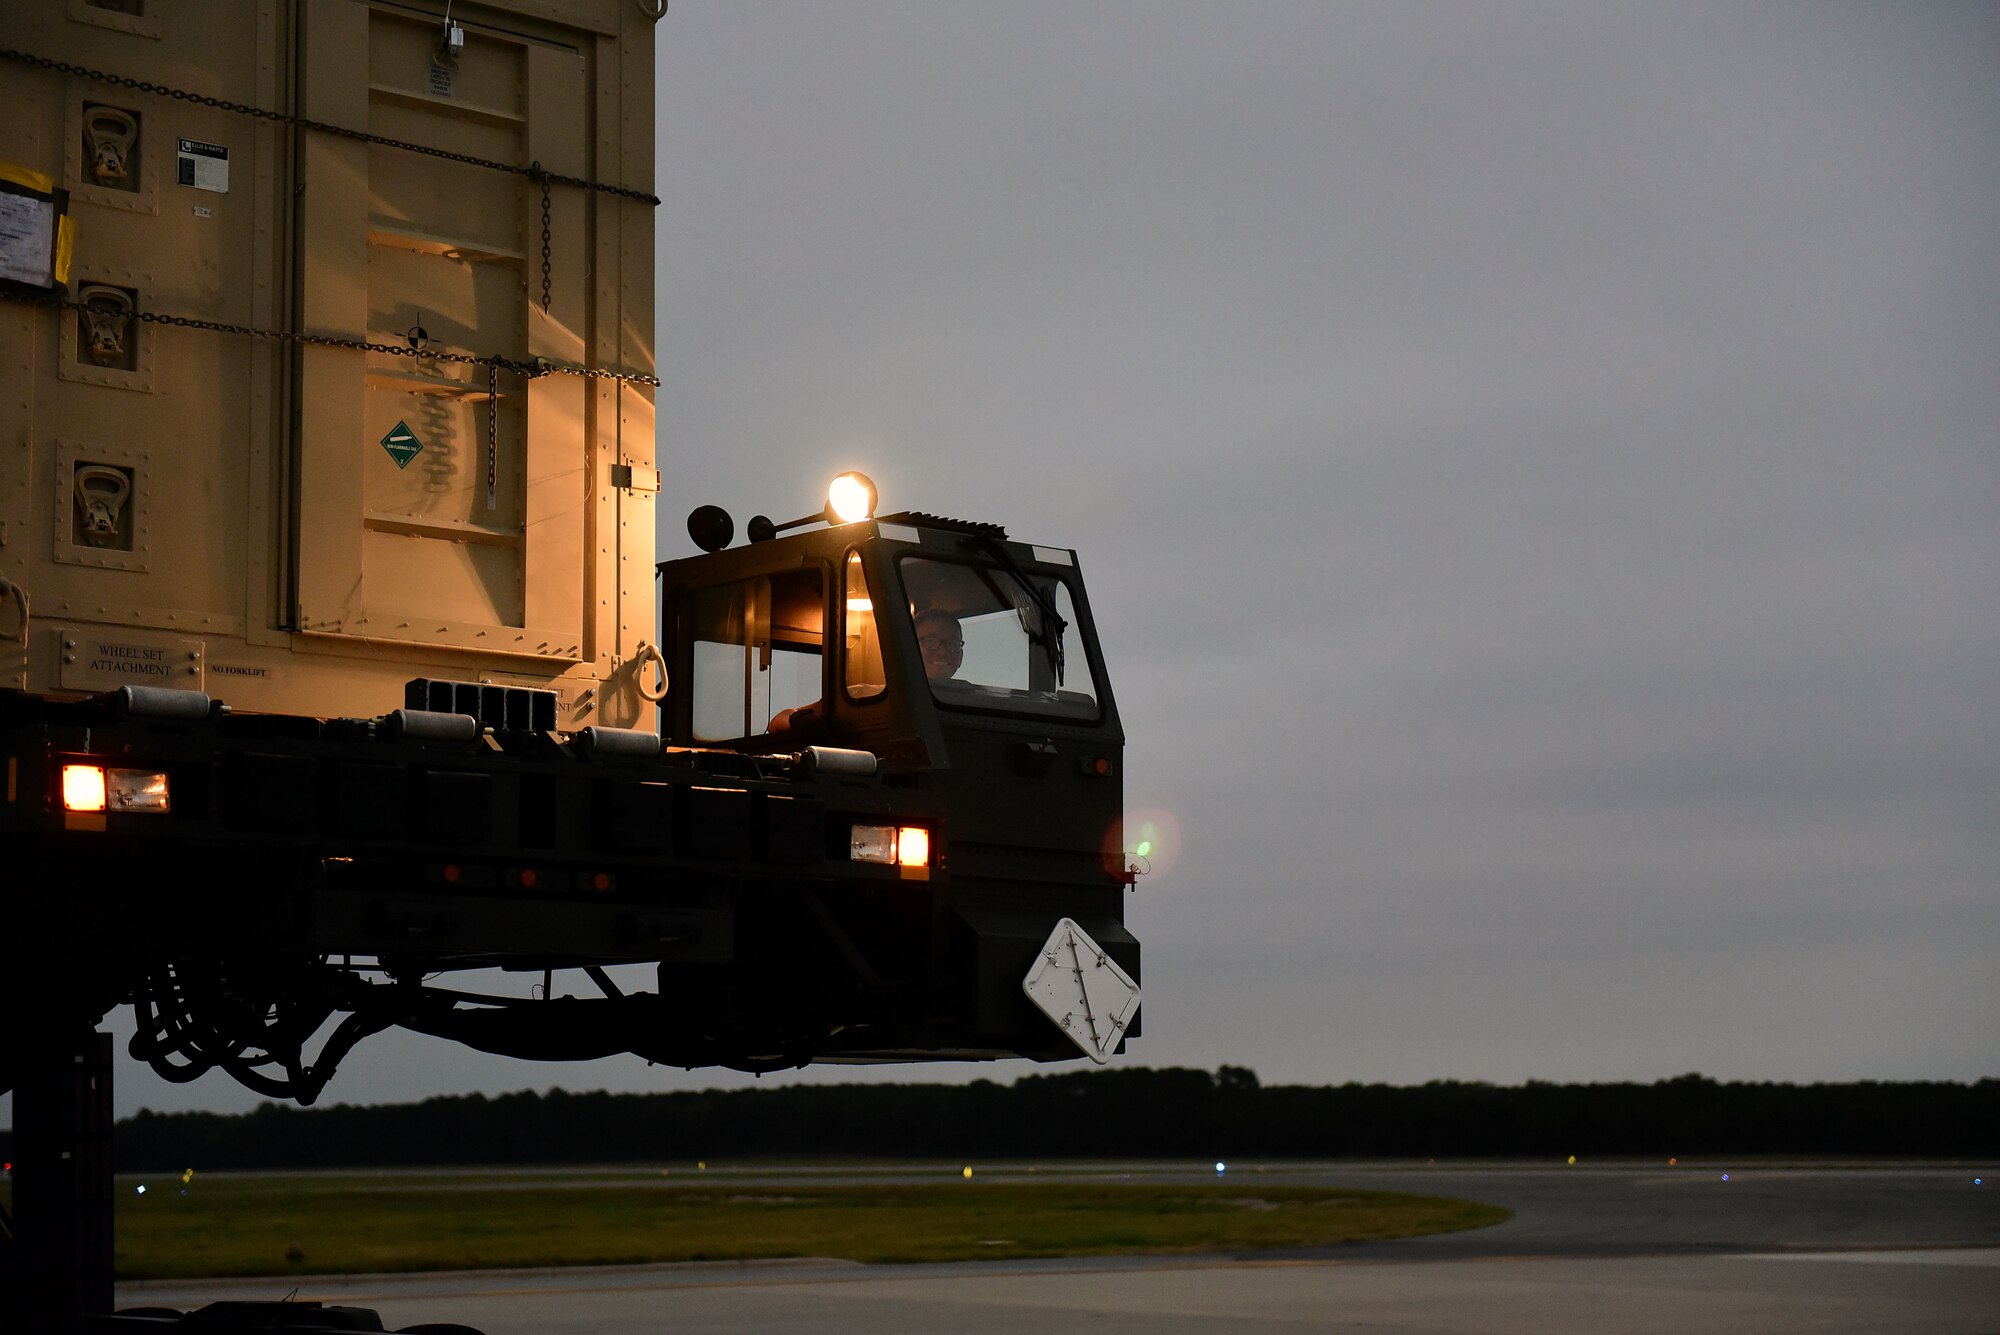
(1149, 841)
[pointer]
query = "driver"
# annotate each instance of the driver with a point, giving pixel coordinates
(942, 642)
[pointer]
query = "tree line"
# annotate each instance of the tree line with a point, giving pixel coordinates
(1131, 1112)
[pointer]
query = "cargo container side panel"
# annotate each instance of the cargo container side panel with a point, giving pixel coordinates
(26, 138)
(626, 254)
(562, 479)
(266, 519)
(17, 467)
(163, 426)
(333, 303)
(435, 513)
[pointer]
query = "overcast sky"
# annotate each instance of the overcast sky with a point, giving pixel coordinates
(1536, 466)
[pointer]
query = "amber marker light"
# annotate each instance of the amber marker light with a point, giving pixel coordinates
(83, 788)
(913, 846)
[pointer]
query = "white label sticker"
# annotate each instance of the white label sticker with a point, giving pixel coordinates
(203, 166)
(443, 77)
(27, 238)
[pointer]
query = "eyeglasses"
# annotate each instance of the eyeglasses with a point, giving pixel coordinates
(939, 642)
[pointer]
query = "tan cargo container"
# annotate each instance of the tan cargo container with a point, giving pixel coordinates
(304, 525)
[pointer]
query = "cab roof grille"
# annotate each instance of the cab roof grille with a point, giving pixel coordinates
(918, 519)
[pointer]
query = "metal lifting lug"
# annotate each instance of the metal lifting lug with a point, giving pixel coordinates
(110, 133)
(108, 313)
(101, 493)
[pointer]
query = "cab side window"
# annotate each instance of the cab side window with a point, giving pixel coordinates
(757, 652)
(862, 674)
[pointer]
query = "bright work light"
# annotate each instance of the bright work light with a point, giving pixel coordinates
(851, 497)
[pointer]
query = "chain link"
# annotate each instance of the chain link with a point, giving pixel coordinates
(533, 172)
(545, 239)
(492, 437)
(528, 368)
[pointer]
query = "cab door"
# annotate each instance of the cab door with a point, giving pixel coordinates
(794, 632)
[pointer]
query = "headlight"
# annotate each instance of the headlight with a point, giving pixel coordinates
(137, 790)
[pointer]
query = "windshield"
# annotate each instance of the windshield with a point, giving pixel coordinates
(995, 638)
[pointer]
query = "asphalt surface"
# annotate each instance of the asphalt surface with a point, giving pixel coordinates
(1625, 1249)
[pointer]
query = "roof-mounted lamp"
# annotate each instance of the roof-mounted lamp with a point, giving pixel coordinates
(711, 527)
(850, 498)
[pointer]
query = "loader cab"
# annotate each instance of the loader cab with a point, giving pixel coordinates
(969, 666)
(910, 636)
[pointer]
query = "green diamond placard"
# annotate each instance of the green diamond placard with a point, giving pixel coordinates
(402, 444)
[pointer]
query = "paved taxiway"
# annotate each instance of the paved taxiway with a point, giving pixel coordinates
(1879, 1249)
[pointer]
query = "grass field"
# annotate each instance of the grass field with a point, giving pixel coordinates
(313, 1224)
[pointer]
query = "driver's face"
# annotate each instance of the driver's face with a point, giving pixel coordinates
(943, 646)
